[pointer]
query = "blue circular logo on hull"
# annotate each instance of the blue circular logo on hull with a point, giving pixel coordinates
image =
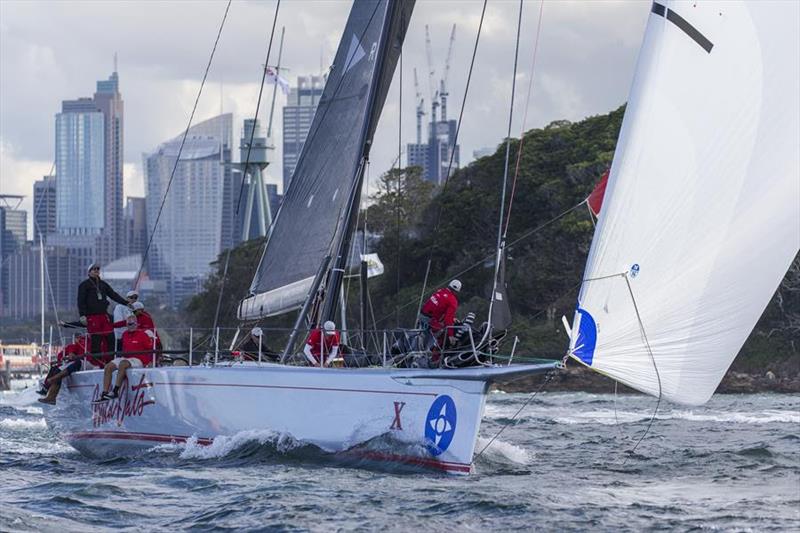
(440, 424)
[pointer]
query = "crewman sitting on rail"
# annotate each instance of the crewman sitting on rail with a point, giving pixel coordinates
(322, 345)
(72, 358)
(256, 344)
(137, 352)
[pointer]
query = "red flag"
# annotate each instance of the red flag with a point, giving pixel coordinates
(595, 200)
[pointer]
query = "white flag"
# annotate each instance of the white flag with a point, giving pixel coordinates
(374, 265)
(274, 77)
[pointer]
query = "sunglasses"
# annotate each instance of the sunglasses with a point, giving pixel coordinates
(94, 269)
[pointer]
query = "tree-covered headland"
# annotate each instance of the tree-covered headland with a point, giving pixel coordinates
(445, 231)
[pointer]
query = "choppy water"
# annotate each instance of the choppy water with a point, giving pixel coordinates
(733, 465)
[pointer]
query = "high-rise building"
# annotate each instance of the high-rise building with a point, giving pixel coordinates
(274, 198)
(44, 207)
(108, 100)
(80, 166)
(231, 189)
(135, 221)
(297, 117)
(13, 236)
(89, 151)
(189, 233)
(440, 153)
(434, 156)
(63, 272)
(22, 284)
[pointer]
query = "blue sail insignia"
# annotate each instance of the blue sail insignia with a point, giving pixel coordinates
(587, 337)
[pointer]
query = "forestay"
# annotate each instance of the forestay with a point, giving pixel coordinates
(701, 217)
(340, 134)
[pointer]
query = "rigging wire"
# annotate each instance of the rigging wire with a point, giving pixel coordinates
(655, 367)
(500, 232)
(315, 128)
(180, 149)
(524, 118)
(399, 192)
(38, 231)
(455, 141)
(247, 161)
(547, 378)
(480, 262)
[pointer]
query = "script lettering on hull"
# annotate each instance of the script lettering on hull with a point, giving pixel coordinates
(131, 402)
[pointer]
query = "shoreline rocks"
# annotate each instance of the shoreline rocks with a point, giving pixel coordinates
(579, 378)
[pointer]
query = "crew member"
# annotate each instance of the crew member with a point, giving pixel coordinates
(322, 345)
(121, 312)
(439, 313)
(72, 358)
(137, 345)
(93, 309)
(143, 320)
(255, 344)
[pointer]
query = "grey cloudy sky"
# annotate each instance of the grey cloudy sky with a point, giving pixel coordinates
(51, 51)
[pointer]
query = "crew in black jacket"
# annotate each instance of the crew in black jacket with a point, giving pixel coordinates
(93, 308)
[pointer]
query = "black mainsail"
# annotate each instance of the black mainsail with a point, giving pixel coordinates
(314, 219)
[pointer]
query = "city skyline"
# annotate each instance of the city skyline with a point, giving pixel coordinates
(189, 234)
(584, 67)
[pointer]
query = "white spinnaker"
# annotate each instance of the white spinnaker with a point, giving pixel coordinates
(701, 217)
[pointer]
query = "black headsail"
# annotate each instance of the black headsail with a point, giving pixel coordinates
(313, 220)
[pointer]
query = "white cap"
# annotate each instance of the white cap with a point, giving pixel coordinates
(137, 306)
(91, 266)
(455, 285)
(256, 332)
(330, 327)
(131, 294)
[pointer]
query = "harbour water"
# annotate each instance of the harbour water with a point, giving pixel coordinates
(560, 465)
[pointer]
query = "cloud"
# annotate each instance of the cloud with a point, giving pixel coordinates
(586, 56)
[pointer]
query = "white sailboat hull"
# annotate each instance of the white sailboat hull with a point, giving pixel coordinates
(439, 411)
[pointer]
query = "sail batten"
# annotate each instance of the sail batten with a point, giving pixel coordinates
(701, 213)
(305, 227)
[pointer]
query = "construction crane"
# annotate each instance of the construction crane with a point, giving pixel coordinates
(431, 72)
(443, 84)
(420, 108)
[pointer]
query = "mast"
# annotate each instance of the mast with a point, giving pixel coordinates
(41, 270)
(340, 258)
(319, 210)
(499, 264)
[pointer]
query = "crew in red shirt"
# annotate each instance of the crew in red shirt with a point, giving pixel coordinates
(322, 343)
(72, 358)
(137, 347)
(144, 322)
(439, 312)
